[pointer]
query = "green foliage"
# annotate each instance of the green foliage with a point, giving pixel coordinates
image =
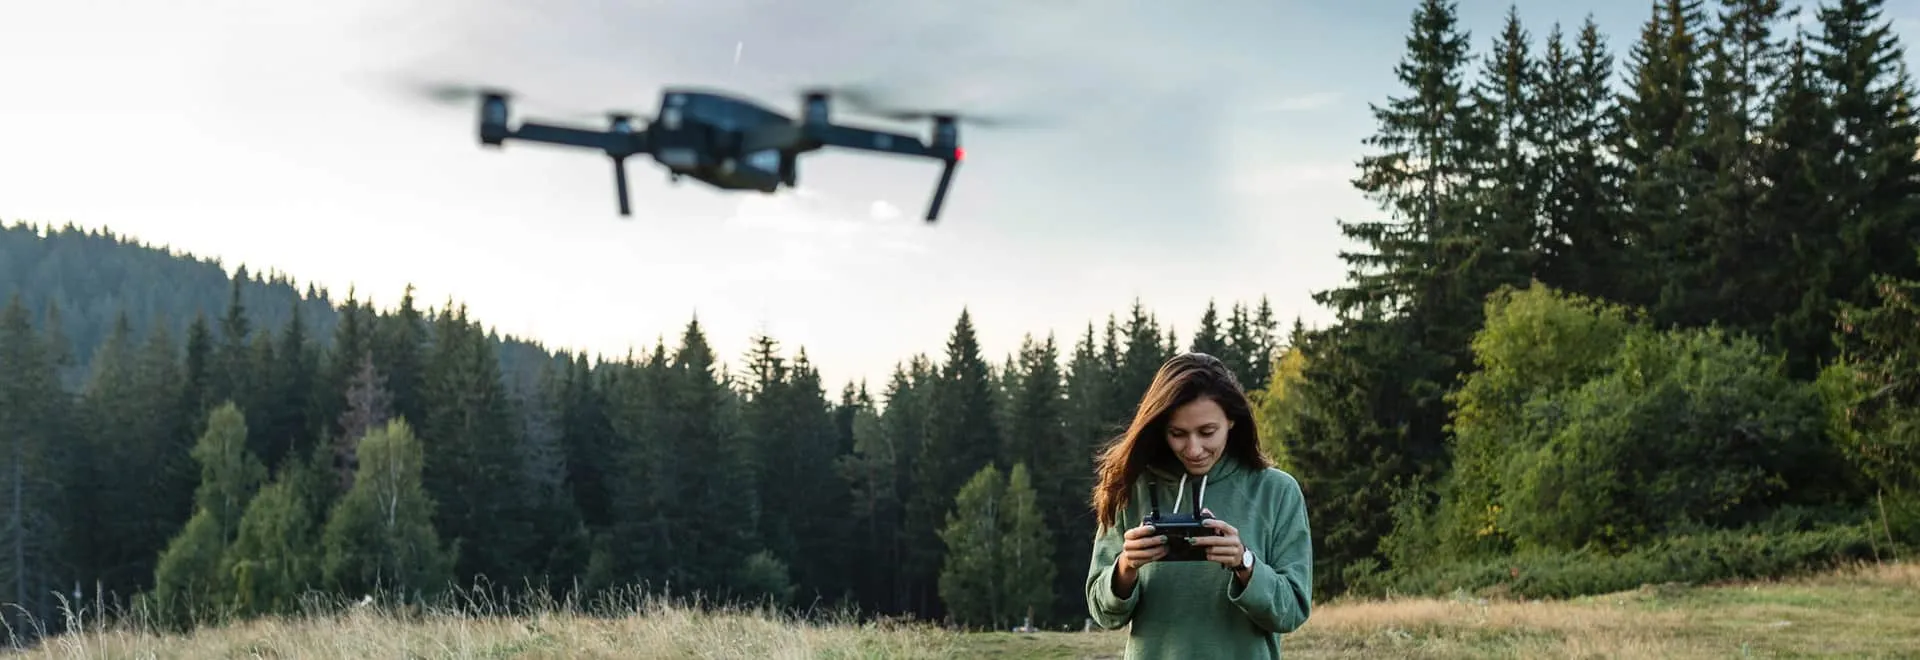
(970, 581)
(1537, 343)
(275, 554)
(1683, 430)
(189, 583)
(997, 566)
(1026, 550)
(1585, 429)
(1276, 410)
(379, 539)
(1704, 557)
(764, 578)
(34, 432)
(1872, 400)
(1747, 190)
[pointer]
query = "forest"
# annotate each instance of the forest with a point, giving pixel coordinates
(1623, 319)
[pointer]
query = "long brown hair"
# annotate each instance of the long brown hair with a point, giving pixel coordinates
(1183, 379)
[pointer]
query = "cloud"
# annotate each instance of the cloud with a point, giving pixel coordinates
(1260, 180)
(1300, 102)
(811, 236)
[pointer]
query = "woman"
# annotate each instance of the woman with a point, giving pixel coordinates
(1194, 433)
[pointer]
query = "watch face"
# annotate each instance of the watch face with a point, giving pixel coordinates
(1246, 558)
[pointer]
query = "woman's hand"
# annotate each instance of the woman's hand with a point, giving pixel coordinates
(1142, 548)
(1225, 549)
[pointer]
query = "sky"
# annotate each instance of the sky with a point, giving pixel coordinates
(1186, 155)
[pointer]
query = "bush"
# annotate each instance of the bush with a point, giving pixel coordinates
(1582, 425)
(1711, 556)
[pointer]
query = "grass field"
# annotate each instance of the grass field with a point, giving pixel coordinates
(1870, 611)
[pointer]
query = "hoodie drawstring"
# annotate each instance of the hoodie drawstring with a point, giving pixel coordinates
(1199, 502)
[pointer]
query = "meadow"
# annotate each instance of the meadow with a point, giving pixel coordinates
(1863, 611)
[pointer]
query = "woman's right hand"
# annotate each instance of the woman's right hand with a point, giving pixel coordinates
(1142, 547)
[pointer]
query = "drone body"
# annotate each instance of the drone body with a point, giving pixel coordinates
(727, 142)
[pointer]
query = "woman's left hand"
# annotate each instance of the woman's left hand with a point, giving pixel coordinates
(1225, 549)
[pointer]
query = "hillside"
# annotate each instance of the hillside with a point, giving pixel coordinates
(1867, 612)
(92, 276)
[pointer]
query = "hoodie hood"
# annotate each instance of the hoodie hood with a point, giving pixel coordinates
(1226, 468)
(1159, 476)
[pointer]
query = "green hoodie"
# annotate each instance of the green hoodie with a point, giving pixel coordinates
(1194, 609)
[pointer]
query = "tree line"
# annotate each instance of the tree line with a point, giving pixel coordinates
(1616, 324)
(229, 472)
(1623, 324)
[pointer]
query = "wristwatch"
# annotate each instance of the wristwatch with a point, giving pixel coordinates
(1246, 557)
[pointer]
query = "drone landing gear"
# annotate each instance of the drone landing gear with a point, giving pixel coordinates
(940, 191)
(620, 185)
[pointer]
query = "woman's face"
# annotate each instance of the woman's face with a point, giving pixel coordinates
(1197, 433)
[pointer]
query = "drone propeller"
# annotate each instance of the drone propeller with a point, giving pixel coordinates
(461, 94)
(867, 100)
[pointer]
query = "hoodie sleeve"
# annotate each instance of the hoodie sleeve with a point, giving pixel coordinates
(1108, 611)
(1279, 594)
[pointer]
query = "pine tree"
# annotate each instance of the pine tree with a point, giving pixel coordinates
(1742, 63)
(587, 433)
(1803, 284)
(1372, 414)
(400, 347)
(715, 515)
(1870, 96)
(1582, 243)
(290, 429)
(1506, 135)
(909, 401)
(1208, 338)
(1657, 135)
(869, 471)
(32, 425)
(962, 436)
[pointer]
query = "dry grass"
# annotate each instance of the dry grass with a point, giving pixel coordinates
(1867, 611)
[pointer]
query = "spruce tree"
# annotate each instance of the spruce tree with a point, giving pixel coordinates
(962, 436)
(33, 439)
(1582, 243)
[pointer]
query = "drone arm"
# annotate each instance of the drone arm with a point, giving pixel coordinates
(615, 144)
(870, 140)
(894, 143)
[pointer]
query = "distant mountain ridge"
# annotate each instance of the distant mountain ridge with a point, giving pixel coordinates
(90, 276)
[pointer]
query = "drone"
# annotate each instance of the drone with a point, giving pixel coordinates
(729, 142)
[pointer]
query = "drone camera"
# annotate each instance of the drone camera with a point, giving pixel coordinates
(816, 109)
(493, 119)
